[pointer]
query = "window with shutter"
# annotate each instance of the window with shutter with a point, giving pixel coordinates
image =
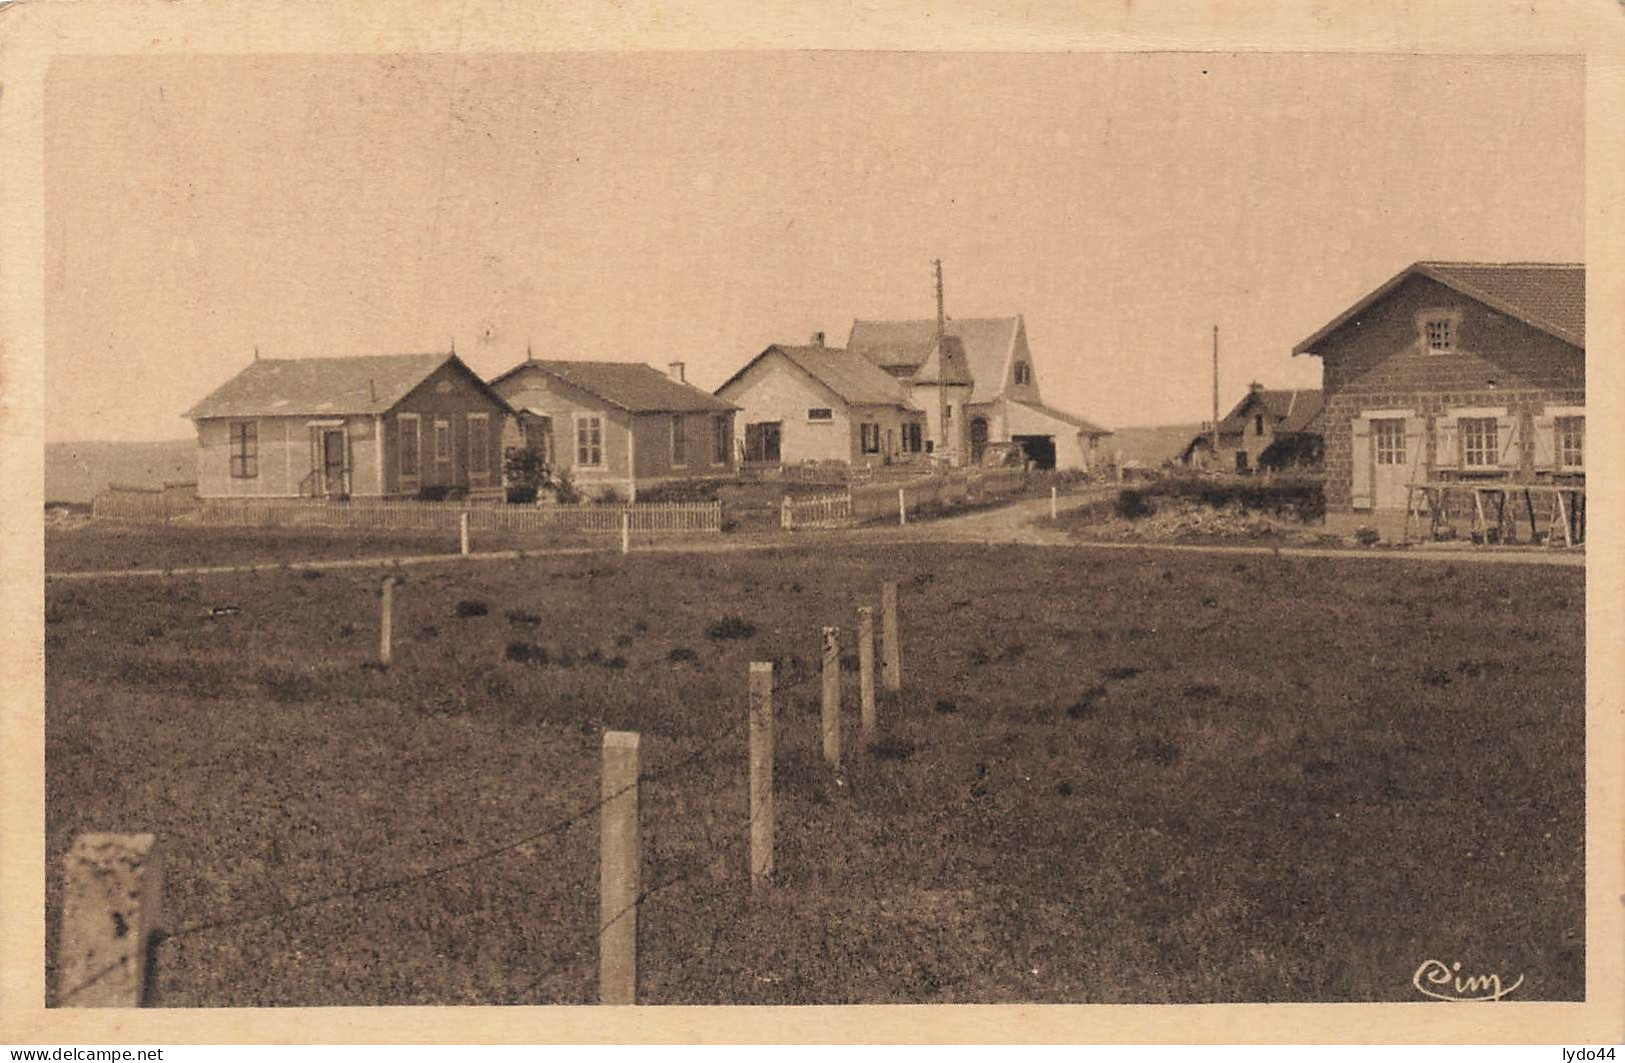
(1545, 442)
(1570, 435)
(1511, 441)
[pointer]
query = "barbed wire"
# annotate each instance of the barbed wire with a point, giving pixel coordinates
(553, 829)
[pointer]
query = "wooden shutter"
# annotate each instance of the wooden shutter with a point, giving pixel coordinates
(1545, 443)
(1446, 449)
(1415, 433)
(1511, 441)
(1360, 492)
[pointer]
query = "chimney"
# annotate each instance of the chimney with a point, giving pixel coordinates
(675, 370)
(818, 339)
(1255, 387)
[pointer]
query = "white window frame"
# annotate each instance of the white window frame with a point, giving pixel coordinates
(679, 441)
(1560, 413)
(451, 444)
(247, 458)
(479, 460)
(1397, 449)
(1446, 327)
(590, 421)
(416, 421)
(867, 429)
(826, 415)
(1023, 372)
(1495, 441)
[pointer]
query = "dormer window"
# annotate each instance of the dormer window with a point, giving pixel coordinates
(1024, 373)
(1441, 334)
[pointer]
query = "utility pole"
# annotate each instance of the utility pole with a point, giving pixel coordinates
(1215, 397)
(942, 316)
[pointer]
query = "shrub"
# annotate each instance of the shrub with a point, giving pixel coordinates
(526, 653)
(1367, 536)
(682, 653)
(731, 627)
(682, 491)
(441, 492)
(1132, 504)
(519, 617)
(471, 607)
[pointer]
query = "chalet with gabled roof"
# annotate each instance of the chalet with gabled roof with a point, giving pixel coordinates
(616, 426)
(395, 425)
(1454, 371)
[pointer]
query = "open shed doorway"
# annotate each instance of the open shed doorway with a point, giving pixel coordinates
(1040, 450)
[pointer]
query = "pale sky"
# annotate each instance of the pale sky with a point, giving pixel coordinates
(697, 207)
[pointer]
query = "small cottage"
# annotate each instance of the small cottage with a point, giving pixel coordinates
(397, 425)
(1267, 429)
(617, 426)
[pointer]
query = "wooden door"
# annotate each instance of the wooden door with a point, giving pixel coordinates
(335, 471)
(1390, 462)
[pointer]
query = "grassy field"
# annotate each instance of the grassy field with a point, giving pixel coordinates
(1109, 778)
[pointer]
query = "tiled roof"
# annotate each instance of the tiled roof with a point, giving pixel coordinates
(856, 380)
(986, 340)
(1549, 296)
(363, 384)
(631, 386)
(1086, 427)
(1290, 410)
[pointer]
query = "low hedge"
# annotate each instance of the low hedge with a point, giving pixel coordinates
(1304, 499)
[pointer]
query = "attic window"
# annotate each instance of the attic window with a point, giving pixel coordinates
(1441, 334)
(820, 413)
(1024, 373)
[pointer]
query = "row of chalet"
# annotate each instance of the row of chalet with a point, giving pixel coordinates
(408, 425)
(1446, 371)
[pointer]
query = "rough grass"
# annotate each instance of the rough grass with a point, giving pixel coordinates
(1273, 797)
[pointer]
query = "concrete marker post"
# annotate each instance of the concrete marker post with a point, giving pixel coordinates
(866, 668)
(1054, 502)
(386, 622)
(112, 894)
(761, 775)
(626, 531)
(463, 529)
(902, 508)
(832, 697)
(891, 652)
(619, 870)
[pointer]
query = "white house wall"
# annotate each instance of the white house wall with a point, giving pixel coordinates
(775, 390)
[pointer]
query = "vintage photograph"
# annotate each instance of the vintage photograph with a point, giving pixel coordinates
(814, 527)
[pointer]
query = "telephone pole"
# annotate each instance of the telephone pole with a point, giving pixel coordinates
(1215, 397)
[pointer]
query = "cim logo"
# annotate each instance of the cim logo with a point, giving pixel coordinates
(1445, 982)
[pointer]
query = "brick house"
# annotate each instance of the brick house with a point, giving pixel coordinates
(1454, 370)
(1259, 430)
(366, 426)
(616, 426)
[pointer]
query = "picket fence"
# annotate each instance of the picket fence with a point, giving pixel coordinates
(872, 501)
(643, 518)
(156, 505)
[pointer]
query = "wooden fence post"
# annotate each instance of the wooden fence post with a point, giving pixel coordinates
(902, 508)
(619, 871)
(761, 774)
(463, 528)
(112, 894)
(832, 697)
(785, 521)
(892, 654)
(866, 667)
(626, 531)
(386, 622)
(1054, 502)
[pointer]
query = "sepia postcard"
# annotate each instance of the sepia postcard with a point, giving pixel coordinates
(641, 523)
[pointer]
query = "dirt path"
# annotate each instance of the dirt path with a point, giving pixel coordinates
(1022, 523)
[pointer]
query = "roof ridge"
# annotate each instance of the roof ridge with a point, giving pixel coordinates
(1500, 265)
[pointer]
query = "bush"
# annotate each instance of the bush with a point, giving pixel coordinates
(471, 607)
(731, 627)
(1133, 504)
(441, 492)
(682, 491)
